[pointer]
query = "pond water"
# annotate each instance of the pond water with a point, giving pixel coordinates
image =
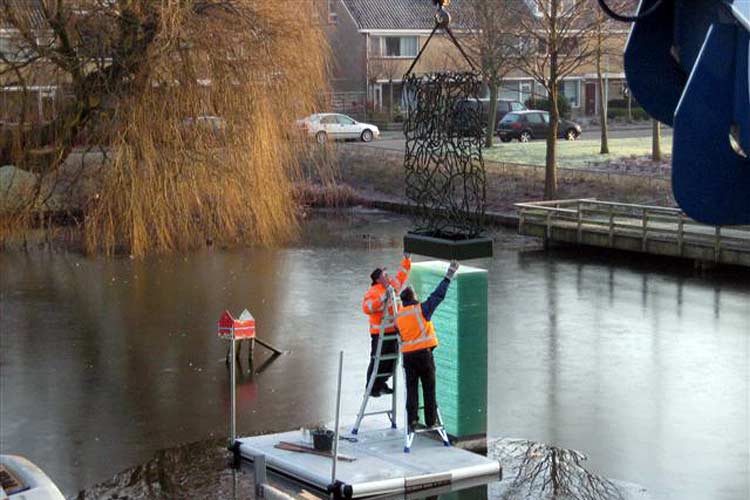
(641, 364)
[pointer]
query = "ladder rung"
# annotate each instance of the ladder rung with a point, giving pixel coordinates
(381, 375)
(377, 413)
(431, 429)
(389, 356)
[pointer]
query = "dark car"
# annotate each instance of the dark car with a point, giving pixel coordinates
(527, 125)
(465, 113)
(504, 106)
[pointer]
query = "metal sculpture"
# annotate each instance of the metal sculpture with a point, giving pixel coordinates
(445, 175)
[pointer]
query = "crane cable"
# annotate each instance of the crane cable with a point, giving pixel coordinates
(629, 19)
(442, 21)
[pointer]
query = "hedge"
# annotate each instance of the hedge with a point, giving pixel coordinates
(563, 105)
(637, 113)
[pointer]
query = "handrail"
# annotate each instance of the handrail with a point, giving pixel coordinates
(647, 221)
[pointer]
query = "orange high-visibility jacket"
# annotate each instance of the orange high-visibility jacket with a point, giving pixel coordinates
(416, 332)
(373, 303)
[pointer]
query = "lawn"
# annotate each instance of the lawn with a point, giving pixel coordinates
(574, 154)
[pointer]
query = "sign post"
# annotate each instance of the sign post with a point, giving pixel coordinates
(235, 329)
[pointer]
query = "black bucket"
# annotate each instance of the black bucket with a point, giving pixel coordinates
(322, 439)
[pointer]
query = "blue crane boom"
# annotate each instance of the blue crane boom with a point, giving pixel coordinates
(686, 62)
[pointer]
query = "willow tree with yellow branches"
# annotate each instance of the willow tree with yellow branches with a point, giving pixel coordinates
(188, 104)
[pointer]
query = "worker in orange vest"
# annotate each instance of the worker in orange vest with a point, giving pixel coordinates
(373, 304)
(418, 339)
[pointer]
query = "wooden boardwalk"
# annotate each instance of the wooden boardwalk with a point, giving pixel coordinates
(637, 228)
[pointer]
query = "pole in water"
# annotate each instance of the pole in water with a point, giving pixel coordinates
(338, 417)
(233, 393)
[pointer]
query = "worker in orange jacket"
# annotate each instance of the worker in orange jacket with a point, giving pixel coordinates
(373, 305)
(418, 339)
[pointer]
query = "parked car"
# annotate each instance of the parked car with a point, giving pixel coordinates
(533, 124)
(325, 126)
(504, 106)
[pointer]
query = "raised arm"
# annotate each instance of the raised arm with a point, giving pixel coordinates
(437, 296)
(403, 273)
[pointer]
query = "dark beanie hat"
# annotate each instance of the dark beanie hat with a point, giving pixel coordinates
(407, 294)
(375, 275)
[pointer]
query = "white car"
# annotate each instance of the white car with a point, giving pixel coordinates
(325, 126)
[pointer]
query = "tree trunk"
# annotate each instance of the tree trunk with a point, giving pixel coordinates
(604, 149)
(490, 132)
(656, 141)
(390, 100)
(550, 167)
(630, 107)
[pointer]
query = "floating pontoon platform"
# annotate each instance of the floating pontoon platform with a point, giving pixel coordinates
(380, 466)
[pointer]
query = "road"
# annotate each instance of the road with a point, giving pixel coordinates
(395, 139)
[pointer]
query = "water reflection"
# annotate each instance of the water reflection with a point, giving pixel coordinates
(638, 363)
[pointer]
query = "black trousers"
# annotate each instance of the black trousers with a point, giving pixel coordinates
(420, 367)
(389, 347)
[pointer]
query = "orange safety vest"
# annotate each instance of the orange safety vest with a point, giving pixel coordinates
(373, 303)
(416, 332)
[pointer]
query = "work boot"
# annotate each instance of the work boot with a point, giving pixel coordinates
(386, 390)
(413, 426)
(375, 392)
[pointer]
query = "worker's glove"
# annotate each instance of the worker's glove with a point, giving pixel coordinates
(407, 255)
(452, 269)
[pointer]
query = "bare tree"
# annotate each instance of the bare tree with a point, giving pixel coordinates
(382, 68)
(656, 140)
(559, 471)
(599, 54)
(556, 38)
(191, 100)
(493, 45)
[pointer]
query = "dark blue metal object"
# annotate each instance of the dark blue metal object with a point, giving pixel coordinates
(710, 178)
(655, 78)
(687, 65)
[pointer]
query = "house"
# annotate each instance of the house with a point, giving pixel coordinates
(374, 42)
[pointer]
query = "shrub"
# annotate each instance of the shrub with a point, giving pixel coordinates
(622, 113)
(622, 103)
(563, 105)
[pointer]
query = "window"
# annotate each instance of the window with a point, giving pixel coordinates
(564, 7)
(571, 89)
(344, 120)
(517, 106)
(375, 43)
(11, 47)
(545, 118)
(398, 46)
(510, 118)
(534, 118)
(526, 91)
(509, 91)
(569, 46)
(333, 17)
(328, 120)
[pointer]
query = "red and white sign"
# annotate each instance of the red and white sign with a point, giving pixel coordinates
(238, 329)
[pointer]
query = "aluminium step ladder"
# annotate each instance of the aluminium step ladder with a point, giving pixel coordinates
(388, 317)
(409, 434)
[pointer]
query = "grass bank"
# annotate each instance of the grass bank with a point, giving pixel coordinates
(575, 154)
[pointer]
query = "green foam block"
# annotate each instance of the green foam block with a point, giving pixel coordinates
(461, 358)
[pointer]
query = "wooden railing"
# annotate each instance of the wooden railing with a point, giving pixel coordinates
(643, 221)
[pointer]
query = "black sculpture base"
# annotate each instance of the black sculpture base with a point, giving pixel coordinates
(447, 247)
